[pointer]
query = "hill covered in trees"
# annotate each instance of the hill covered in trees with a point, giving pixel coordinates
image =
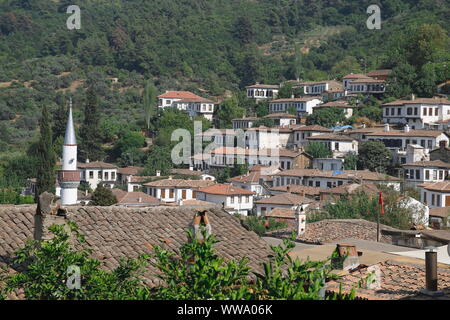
(210, 47)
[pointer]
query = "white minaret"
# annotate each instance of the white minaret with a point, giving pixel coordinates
(69, 176)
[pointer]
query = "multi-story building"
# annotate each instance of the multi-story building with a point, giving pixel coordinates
(282, 119)
(231, 198)
(196, 107)
(170, 97)
(348, 79)
(331, 179)
(303, 106)
(244, 123)
(175, 190)
(436, 194)
(340, 145)
(262, 91)
(368, 86)
(426, 172)
(417, 113)
(98, 172)
(339, 104)
(318, 87)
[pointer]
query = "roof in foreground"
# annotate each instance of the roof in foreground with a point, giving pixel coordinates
(399, 281)
(117, 232)
(225, 189)
(443, 186)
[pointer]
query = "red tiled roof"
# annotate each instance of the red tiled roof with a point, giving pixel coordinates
(179, 95)
(225, 189)
(263, 86)
(378, 73)
(280, 213)
(437, 186)
(284, 199)
(280, 115)
(130, 170)
(435, 163)
(124, 197)
(433, 101)
(97, 164)
(344, 175)
(298, 189)
(355, 76)
(315, 128)
(302, 99)
(411, 133)
(180, 183)
(330, 136)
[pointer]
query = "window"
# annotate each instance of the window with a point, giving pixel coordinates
(427, 174)
(438, 200)
(336, 146)
(416, 112)
(318, 184)
(417, 174)
(441, 175)
(113, 176)
(106, 175)
(310, 183)
(232, 200)
(163, 193)
(183, 194)
(424, 111)
(409, 111)
(425, 197)
(432, 199)
(329, 185)
(247, 199)
(99, 174)
(194, 194)
(91, 174)
(171, 193)
(399, 111)
(436, 111)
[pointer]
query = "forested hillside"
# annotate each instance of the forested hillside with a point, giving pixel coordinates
(210, 47)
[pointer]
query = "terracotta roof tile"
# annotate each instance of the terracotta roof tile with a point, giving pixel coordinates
(225, 189)
(179, 95)
(180, 183)
(290, 199)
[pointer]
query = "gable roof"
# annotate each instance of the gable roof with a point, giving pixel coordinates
(379, 73)
(399, 281)
(96, 164)
(443, 186)
(344, 175)
(130, 170)
(179, 95)
(432, 101)
(356, 76)
(225, 190)
(280, 213)
(288, 199)
(263, 86)
(180, 183)
(280, 115)
(331, 136)
(435, 163)
(411, 133)
(117, 232)
(298, 189)
(315, 127)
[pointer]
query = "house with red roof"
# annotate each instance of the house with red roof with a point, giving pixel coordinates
(189, 102)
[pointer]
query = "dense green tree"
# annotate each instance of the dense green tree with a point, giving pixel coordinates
(351, 162)
(46, 158)
(159, 159)
(59, 118)
(374, 156)
(228, 110)
(401, 80)
(103, 196)
(149, 101)
(285, 91)
(347, 65)
(326, 117)
(318, 150)
(91, 141)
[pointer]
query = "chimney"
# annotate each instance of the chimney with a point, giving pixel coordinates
(364, 125)
(292, 96)
(170, 177)
(431, 275)
(347, 257)
(288, 189)
(406, 128)
(158, 173)
(140, 199)
(386, 127)
(300, 219)
(191, 168)
(413, 96)
(201, 219)
(442, 145)
(46, 215)
(87, 160)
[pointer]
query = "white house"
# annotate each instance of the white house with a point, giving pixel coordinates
(256, 180)
(348, 79)
(196, 107)
(328, 164)
(301, 134)
(318, 87)
(287, 201)
(436, 194)
(330, 179)
(426, 172)
(168, 98)
(175, 190)
(233, 199)
(339, 145)
(262, 91)
(244, 123)
(94, 173)
(339, 104)
(303, 106)
(418, 113)
(397, 140)
(368, 86)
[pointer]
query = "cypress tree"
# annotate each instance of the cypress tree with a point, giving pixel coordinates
(91, 140)
(46, 157)
(150, 109)
(59, 118)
